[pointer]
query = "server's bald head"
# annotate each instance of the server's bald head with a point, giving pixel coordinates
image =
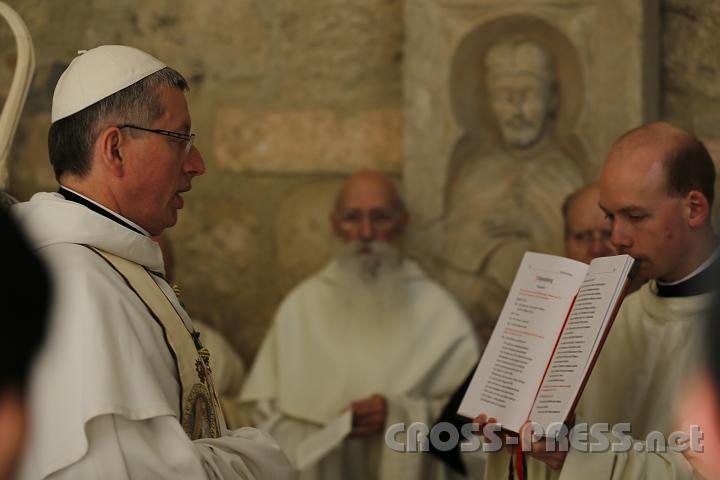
(657, 188)
(368, 207)
(683, 158)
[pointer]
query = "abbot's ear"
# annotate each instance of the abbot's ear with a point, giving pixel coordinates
(108, 149)
(698, 208)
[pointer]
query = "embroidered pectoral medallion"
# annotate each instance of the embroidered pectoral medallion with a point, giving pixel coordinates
(198, 419)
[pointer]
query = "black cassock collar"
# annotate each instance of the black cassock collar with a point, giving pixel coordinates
(74, 197)
(705, 281)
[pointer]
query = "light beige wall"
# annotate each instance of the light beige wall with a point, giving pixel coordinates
(287, 97)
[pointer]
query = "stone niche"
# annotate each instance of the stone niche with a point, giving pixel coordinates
(509, 107)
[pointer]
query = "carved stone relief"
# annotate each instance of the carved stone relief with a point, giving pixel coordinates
(511, 169)
(510, 106)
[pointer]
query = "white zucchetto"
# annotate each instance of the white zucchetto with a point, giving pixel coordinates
(98, 73)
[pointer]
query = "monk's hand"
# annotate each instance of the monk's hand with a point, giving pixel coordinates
(369, 415)
(497, 434)
(537, 448)
(481, 421)
(532, 444)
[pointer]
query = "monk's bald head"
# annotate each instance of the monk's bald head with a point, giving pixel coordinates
(368, 207)
(658, 147)
(369, 183)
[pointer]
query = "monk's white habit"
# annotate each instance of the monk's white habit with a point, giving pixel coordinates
(649, 354)
(314, 362)
(104, 392)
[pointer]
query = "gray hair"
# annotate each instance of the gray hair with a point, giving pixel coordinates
(70, 139)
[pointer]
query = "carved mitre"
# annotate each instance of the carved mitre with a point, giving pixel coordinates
(517, 57)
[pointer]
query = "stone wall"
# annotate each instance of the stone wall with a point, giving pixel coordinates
(691, 68)
(287, 97)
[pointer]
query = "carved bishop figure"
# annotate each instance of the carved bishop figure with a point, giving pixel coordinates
(505, 199)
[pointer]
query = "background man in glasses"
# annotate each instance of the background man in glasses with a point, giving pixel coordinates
(370, 333)
(587, 230)
(123, 389)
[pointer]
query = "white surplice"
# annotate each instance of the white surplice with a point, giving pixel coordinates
(650, 351)
(312, 364)
(105, 395)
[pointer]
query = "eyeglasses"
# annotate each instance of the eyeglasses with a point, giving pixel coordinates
(185, 137)
(589, 236)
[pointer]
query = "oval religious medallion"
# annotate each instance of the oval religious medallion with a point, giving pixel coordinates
(199, 415)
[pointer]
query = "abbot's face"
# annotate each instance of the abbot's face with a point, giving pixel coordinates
(647, 223)
(520, 103)
(159, 170)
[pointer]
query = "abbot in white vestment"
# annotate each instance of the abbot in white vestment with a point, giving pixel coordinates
(104, 391)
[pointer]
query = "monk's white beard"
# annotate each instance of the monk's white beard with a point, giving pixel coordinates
(371, 285)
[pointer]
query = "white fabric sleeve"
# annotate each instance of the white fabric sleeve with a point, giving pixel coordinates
(606, 465)
(630, 465)
(265, 415)
(158, 448)
(408, 409)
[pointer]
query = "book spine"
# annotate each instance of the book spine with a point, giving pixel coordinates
(557, 342)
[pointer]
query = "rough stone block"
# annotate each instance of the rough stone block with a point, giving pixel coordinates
(341, 53)
(307, 142)
(30, 168)
(303, 237)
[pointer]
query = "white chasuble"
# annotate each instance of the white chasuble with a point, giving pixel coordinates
(105, 396)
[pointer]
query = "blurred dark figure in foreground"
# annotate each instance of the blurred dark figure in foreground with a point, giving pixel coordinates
(24, 296)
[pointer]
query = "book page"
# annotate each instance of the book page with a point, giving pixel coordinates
(511, 369)
(586, 325)
(320, 443)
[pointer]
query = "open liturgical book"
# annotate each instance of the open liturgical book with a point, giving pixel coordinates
(550, 331)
